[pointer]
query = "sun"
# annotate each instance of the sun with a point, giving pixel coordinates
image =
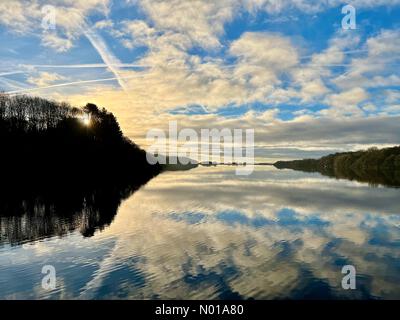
(86, 120)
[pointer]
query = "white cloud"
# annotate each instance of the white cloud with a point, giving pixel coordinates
(26, 18)
(369, 107)
(380, 60)
(54, 41)
(305, 131)
(392, 96)
(392, 109)
(346, 102)
(19, 16)
(104, 24)
(270, 51)
(313, 90)
(312, 77)
(139, 33)
(310, 6)
(176, 78)
(350, 97)
(201, 21)
(44, 79)
(262, 58)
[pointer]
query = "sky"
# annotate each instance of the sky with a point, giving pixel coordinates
(287, 69)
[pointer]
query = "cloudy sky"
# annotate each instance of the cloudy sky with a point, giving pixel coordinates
(286, 68)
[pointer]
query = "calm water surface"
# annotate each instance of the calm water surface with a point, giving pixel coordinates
(209, 234)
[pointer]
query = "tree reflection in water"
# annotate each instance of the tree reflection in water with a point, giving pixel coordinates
(29, 214)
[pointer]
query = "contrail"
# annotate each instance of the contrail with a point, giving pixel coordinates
(113, 64)
(13, 83)
(77, 66)
(336, 51)
(109, 59)
(10, 73)
(71, 83)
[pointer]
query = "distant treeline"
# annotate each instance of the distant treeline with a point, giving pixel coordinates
(375, 166)
(44, 142)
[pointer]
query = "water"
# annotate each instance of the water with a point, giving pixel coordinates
(209, 234)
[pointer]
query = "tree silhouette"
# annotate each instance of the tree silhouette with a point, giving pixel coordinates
(48, 141)
(58, 174)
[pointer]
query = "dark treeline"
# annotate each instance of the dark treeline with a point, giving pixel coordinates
(374, 166)
(28, 114)
(46, 140)
(63, 168)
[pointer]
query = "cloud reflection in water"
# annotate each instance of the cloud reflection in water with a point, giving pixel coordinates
(207, 233)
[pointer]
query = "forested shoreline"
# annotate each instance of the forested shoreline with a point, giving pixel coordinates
(45, 141)
(375, 166)
(63, 168)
